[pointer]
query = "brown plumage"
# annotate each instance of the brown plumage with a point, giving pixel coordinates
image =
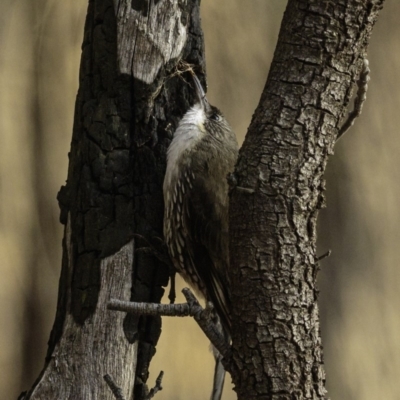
(201, 155)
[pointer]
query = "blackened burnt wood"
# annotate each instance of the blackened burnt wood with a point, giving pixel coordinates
(127, 108)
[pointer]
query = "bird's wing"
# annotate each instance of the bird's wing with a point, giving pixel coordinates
(196, 241)
(204, 237)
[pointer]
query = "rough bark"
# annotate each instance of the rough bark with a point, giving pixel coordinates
(277, 350)
(127, 107)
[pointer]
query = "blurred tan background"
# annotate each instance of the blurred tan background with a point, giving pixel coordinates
(39, 59)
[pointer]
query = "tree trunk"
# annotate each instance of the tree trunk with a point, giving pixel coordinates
(127, 108)
(128, 104)
(277, 191)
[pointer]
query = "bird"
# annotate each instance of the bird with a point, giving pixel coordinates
(201, 155)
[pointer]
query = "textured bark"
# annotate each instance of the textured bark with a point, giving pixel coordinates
(127, 108)
(277, 351)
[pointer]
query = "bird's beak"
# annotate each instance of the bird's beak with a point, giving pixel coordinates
(201, 96)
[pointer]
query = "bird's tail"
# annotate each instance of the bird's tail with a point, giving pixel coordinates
(219, 377)
(219, 371)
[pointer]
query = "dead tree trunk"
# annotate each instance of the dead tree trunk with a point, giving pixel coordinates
(277, 191)
(127, 107)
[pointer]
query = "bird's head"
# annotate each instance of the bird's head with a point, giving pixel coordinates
(210, 118)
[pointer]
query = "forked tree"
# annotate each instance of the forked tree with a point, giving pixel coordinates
(132, 93)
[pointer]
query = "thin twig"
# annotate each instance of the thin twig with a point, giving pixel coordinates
(325, 255)
(191, 308)
(157, 386)
(361, 96)
(152, 309)
(117, 392)
(211, 330)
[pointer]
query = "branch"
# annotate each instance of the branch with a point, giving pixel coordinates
(192, 308)
(157, 386)
(117, 392)
(325, 255)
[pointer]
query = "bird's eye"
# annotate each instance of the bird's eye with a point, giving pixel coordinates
(215, 117)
